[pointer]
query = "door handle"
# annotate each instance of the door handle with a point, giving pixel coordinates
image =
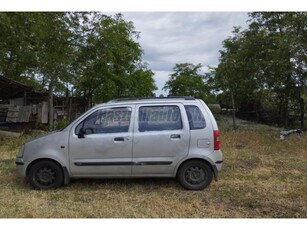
(121, 139)
(175, 136)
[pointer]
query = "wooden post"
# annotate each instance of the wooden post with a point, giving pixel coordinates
(25, 98)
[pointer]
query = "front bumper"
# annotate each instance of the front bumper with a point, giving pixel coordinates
(19, 161)
(21, 166)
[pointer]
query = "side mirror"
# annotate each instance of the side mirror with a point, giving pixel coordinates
(81, 133)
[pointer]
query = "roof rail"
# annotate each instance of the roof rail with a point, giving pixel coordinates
(153, 98)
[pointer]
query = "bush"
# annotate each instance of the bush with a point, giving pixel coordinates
(60, 124)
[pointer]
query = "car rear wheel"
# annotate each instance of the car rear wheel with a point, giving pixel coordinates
(46, 175)
(195, 175)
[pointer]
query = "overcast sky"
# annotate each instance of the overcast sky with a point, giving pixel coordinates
(179, 37)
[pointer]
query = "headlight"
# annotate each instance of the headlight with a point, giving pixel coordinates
(22, 148)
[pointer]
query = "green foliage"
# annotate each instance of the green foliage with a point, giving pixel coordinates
(61, 124)
(41, 126)
(34, 48)
(95, 55)
(16, 55)
(187, 80)
(108, 60)
(140, 77)
(269, 56)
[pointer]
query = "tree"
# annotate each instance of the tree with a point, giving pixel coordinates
(109, 59)
(286, 55)
(54, 54)
(187, 80)
(234, 75)
(35, 46)
(16, 45)
(141, 83)
(268, 58)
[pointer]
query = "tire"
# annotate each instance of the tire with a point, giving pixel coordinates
(195, 175)
(46, 175)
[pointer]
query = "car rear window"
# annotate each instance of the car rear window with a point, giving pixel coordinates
(195, 117)
(158, 118)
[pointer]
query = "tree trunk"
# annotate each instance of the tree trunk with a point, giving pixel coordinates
(50, 104)
(302, 110)
(91, 101)
(286, 112)
(84, 101)
(233, 111)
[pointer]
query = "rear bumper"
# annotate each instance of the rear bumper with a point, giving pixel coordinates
(218, 163)
(217, 168)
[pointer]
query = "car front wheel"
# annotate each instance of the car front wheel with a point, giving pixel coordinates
(46, 175)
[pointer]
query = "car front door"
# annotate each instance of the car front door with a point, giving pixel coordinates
(161, 139)
(101, 144)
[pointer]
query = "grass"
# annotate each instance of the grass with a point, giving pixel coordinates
(262, 177)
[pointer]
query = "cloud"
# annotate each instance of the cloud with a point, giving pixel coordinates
(179, 37)
(160, 78)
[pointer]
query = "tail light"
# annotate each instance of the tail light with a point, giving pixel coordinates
(217, 143)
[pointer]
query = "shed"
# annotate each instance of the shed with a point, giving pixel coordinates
(12, 89)
(21, 105)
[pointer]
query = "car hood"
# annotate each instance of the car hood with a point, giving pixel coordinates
(43, 136)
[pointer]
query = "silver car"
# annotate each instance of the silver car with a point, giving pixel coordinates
(129, 138)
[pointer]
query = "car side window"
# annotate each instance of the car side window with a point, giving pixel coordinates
(114, 120)
(158, 118)
(195, 117)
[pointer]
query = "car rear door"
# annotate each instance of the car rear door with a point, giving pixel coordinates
(161, 138)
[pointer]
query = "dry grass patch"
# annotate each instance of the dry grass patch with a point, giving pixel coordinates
(262, 177)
